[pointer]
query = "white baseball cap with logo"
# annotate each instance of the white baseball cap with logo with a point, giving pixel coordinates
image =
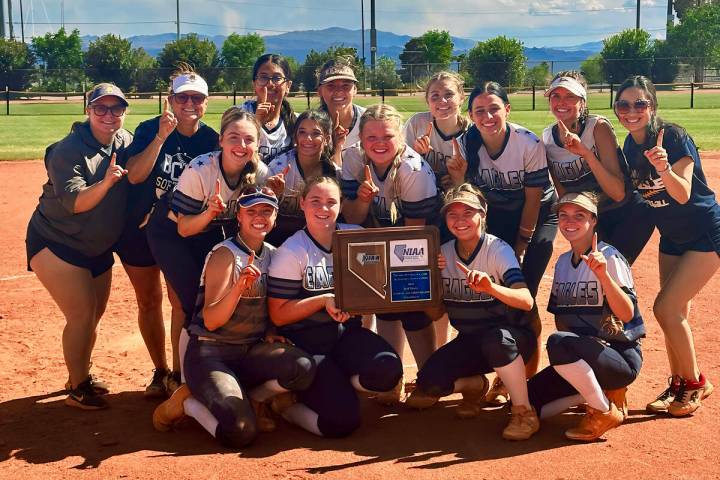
(189, 82)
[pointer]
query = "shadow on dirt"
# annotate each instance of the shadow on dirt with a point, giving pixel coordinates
(41, 429)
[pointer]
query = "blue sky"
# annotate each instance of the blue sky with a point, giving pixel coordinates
(536, 23)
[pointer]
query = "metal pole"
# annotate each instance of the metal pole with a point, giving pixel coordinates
(2, 20)
(611, 96)
(177, 21)
(637, 16)
(373, 36)
(533, 92)
(10, 21)
(307, 94)
(234, 94)
(22, 23)
(669, 22)
(159, 102)
(362, 29)
(7, 100)
(692, 94)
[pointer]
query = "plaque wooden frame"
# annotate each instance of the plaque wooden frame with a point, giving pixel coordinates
(384, 270)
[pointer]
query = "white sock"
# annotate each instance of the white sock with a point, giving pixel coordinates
(182, 347)
(558, 406)
(198, 411)
(302, 416)
(267, 390)
(422, 343)
(513, 377)
(394, 334)
(582, 378)
(355, 381)
(368, 321)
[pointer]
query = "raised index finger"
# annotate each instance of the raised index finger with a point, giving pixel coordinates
(251, 259)
(217, 186)
(263, 95)
(428, 131)
(166, 105)
(285, 170)
(337, 119)
(456, 147)
(462, 267)
(660, 137)
(562, 128)
(368, 175)
(594, 242)
(113, 158)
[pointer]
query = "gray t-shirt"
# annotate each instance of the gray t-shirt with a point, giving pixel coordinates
(74, 163)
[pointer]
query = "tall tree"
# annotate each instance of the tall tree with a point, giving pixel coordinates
(500, 59)
(16, 64)
(697, 37)
(385, 75)
(430, 52)
(239, 53)
(592, 69)
(202, 54)
(61, 57)
(665, 63)
(413, 60)
(629, 52)
(439, 48)
(111, 58)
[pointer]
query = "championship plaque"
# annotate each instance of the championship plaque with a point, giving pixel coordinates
(383, 270)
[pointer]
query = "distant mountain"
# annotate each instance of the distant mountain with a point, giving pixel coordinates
(299, 43)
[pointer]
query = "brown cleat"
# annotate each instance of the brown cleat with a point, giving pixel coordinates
(420, 400)
(523, 424)
(663, 401)
(473, 397)
(595, 423)
(265, 422)
(619, 398)
(171, 411)
(281, 402)
(391, 397)
(498, 394)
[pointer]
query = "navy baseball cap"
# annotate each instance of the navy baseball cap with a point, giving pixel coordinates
(255, 195)
(106, 89)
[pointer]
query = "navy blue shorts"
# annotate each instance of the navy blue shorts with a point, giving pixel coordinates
(708, 242)
(133, 249)
(411, 321)
(34, 243)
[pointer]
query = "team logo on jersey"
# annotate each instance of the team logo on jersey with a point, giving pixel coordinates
(409, 253)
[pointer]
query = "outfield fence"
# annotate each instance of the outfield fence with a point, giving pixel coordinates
(600, 97)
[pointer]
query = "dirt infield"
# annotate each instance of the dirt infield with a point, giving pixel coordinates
(41, 438)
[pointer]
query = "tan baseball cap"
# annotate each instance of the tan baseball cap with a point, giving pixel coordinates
(578, 198)
(459, 195)
(336, 71)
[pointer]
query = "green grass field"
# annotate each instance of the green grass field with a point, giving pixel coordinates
(32, 126)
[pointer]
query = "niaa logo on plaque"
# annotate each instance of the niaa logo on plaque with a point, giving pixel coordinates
(409, 253)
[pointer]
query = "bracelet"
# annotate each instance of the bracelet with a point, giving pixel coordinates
(529, 231)
(525, 239)
(162, 140)
(667, 167)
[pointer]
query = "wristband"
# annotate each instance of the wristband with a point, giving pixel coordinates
(529, 231)
(667, 167)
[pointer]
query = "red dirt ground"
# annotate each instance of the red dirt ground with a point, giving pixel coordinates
(41, 438)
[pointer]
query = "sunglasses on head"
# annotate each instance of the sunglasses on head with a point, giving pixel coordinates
(640, 105)
(102, 110)
(253, 190)
(182, 98)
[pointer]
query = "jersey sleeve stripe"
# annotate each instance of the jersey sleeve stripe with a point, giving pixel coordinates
(283, 288)
(422, 209)
(513, 276)
(184, 204)
(538, 178)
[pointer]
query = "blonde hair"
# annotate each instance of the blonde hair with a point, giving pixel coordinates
(236, 114)
(381, 111)
(459, 83)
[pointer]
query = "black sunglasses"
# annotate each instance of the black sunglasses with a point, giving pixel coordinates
(102, 110)
(639, 105)
(182, 98)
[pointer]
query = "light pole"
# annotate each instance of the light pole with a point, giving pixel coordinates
(373, 36)
(637, 16)
(177, 21)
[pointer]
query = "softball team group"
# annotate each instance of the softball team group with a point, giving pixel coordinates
(240, 224)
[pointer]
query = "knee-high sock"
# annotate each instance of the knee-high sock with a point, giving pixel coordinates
(198, 411)
(513, 377)
(422, 343)
(267, 390)
(302, 416)
(355, 381)
(558, 406)
(582, 378)
(393, 333)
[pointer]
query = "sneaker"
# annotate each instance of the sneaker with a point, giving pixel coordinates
(100, 387)
(172, 382)
(393, 396)
(265, 422)
(85, 397)
(171, 411)
(595, 423)
(689, 396)
(156, 388)
(618, 397)
(473, 397)
(420, 400)
(663, 401)
(498, 394)
(524, 422)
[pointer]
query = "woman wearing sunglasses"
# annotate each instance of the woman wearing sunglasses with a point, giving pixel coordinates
(71, 233)
(233, 364)
(182, 230)
(665, 167)
(583, 155)
(163, 146)
(272, 81)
